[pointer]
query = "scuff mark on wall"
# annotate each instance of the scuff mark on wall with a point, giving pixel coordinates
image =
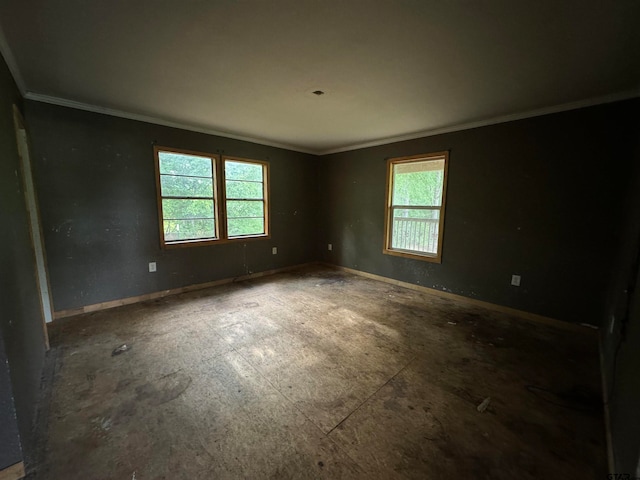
(58, 228)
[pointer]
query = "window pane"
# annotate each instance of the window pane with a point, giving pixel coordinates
(418, 183)
(240, 209)
(244, 181)
(415, 229)
(245, 226)
(242, 171)
(238, 189)
(173, 208)
(186, 186)
(182, 164)
(188, 229)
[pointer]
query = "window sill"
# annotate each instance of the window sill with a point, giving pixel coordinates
(214, 241)
(425, 257)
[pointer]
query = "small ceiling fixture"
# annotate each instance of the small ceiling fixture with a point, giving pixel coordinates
(318, 92)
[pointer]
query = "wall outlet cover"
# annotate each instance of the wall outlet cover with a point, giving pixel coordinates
(152, 266)
(329, 247)
(274, 250)
(515, 280)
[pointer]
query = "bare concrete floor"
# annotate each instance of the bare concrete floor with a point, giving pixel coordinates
(319, 374)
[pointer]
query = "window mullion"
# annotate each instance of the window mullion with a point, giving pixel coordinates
(417, 207)
(221, 199)
(178, 197)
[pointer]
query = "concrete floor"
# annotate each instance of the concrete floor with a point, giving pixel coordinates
(319, 374)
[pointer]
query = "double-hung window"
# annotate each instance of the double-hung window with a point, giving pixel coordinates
(205, 199)
(245, 196)
(416, 191)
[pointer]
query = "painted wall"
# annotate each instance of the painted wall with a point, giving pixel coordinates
(540, 197)
(620, 335)
(625, 393)
(10, 449)
(20, 320)
(95, 179)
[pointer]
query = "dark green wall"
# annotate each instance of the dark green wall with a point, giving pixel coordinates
(10, 449)
(620, 334)
(624, 403)
(541, 197)
(21, 317)
(96, 185)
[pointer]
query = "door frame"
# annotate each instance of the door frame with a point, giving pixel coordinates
(35, 227)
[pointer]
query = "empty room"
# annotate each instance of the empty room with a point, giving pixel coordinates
(319, 239)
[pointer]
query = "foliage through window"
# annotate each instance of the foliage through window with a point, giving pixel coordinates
(187, 190)
(244, 187)
(206, 199)
(416, 190)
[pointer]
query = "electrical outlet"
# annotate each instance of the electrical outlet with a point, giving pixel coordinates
(274, 250)
(152, 266)
(329, 247)
(515, 280)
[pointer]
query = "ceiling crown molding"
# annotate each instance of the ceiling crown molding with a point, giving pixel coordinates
(615, 97)
(626, 95)
(63, 102)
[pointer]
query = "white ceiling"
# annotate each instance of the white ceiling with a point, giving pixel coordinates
(391, 69)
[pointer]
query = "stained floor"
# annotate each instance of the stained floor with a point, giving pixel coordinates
(319, 374)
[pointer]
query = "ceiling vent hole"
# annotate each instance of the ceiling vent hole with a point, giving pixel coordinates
(318, 92)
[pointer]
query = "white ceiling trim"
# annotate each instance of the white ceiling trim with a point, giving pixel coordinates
(629, 94)
(11, 63)
(615, 97)
(156, 120)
